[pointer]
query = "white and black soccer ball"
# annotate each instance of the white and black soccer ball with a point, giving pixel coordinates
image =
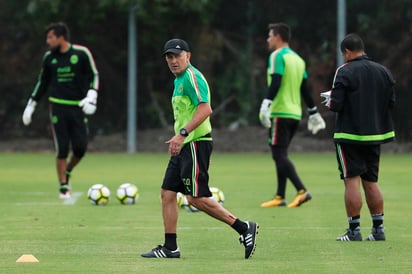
(98, 194)
(127, 194)
(217, 195)
(181, 200)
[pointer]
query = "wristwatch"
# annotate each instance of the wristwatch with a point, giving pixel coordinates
(184, 132)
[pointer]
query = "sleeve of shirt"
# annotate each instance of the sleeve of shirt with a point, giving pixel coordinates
(43, 81)
(91, 71)
(306, 93)
(340, 84)
(199, 86)
(274, 86)
(392, 92)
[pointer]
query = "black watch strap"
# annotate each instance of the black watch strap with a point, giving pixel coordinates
(184, 132)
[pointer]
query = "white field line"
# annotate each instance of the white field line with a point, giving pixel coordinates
(71, 201)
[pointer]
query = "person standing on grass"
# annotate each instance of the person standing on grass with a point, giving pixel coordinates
(190, 149)
(70, 77)
(363, 97)
(281, 111)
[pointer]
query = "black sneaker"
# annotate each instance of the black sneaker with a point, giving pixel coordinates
(64, 191)
(378, 234)
(351, 235)
(161, 252)
(248, 239)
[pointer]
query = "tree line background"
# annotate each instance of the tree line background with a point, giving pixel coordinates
(228, 43)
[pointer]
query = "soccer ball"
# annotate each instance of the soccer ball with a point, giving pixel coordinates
(217, 195)
(181, 200)
(98, 194)
(127, 194)
(183, 203)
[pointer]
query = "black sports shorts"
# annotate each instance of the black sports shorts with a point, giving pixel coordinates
(282, 131)
(70, 127)
(188, 172)
(358, 160)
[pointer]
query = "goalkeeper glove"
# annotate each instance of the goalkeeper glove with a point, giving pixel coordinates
(88, 104)
(28, 111)
(326, 97)
(264, 113)
(315, 121)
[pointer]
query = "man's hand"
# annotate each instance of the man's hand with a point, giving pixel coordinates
(264, 113)
(175, 144)
(326, 96)
(88, 104)
(316, 123)
(28, 112)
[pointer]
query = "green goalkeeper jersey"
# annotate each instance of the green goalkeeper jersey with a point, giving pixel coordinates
(190, 90)
(287, 102)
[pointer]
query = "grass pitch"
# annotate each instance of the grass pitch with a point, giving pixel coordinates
(76, 237)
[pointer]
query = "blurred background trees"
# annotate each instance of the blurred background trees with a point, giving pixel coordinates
(228, 41)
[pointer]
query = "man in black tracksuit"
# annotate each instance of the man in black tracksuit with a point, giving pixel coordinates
(363, 96)
(70, 77)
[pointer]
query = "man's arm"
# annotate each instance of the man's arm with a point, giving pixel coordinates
(203, 111)
(306, 93)
(315, 120)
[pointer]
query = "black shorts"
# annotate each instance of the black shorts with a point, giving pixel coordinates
(358, 160)
(188, 172)
(282, 131)
(70, 128)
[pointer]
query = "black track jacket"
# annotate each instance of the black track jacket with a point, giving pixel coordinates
(363, 96)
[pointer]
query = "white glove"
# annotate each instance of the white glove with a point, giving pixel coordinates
(264, 113)
(316, 123)
(326, 97)
(28, 112)
(88, 104)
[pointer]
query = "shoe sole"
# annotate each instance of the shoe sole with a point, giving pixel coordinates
(281, 204)
(307, 198)
(254, 244)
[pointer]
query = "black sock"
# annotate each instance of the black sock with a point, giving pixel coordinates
(377, 219)
(354, 222)
(170, 241)
(239, 226)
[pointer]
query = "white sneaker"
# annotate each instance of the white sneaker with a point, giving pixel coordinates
(64, 195)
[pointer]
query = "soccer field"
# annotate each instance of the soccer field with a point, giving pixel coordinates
(73, 236)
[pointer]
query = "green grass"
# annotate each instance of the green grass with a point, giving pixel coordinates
(81, 238)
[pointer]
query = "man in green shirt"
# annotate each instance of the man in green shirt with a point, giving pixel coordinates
(190, 149)
(281, 111)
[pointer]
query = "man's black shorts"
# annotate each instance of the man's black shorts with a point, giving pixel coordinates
(358, 160)
(282, 131)
(188, 172)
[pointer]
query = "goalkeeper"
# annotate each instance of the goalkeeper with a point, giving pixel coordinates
(281, 111)
(70, 77)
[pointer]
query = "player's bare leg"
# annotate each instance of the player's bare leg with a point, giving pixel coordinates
(212, 208)
(353, 197)
(373, 196)
(64, 187)
(374, 199)
(169, 211)
(353, 205)
(247, 230)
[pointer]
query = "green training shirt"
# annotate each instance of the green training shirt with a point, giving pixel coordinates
(190, 89)
(287, 102)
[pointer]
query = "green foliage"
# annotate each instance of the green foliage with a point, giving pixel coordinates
(228, 40)
(81, 238)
